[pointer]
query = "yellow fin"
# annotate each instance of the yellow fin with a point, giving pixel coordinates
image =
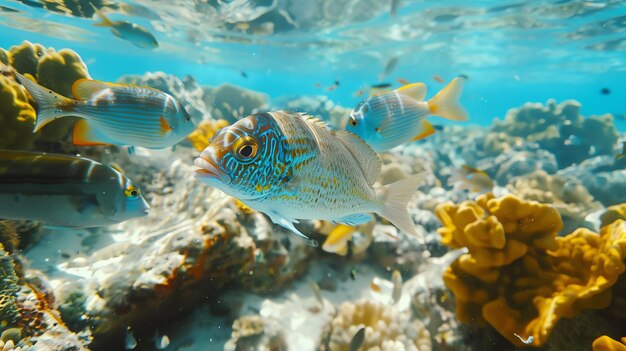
(336, 241)
(446, 102)
(106, 22)
(416, 91)
(165, 126)
(84, 135)
(472, 170)
(426, 130)
(84, 88)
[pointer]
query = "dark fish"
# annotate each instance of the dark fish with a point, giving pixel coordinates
(389, 67)
(393, 9)
(244, 74)
(8, 9)
(357, 340)
(353, 274)
(67, 191)
(438, 127)
(32, 3)
(381, 86)
(605, 91)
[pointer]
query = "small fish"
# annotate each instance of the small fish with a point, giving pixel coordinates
(605, 91)
(396, 279)
(336, 241)
(389, 67)
(244, 74)
(375, 287)
(390, 119)
(357, 340)
(393, 8)
(353, 274)
(621, 155)
(318, 85)
(381, 86)
(291, 166)
(359, 92)
(403, 81)
(117, 114)
(317, 292)
(65, 191)
(132, 32)
(161, 342)
(470, 178)
(437, 78)
(333, 87)
(527, 341)
(130, 342)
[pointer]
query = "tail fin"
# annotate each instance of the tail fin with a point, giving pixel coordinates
(105, 21)
(446, 102)
(396, 199)
(47, 100)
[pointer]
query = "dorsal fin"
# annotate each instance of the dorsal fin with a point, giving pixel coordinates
(364, 154)
(416, 91)
(84, 88)
(315, 120)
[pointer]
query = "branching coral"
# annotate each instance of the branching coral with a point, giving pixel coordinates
(517, 275)
(54, 70)
(9, 314)
(385, 328)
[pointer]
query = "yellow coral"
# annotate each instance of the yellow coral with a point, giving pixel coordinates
(517, 275)
(605, 343)
(200, 137)
(613, 213)
(54, 70)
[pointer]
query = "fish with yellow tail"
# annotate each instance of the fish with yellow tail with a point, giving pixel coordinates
(113, 114)
(291, 166)
(470, 178)
(132, 32)
(390, 119)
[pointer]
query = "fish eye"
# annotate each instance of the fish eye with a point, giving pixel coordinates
(245, 148)
(131, 192)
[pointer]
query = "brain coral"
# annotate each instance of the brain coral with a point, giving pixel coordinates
(517, 275)
(54, 70)
(386, 328)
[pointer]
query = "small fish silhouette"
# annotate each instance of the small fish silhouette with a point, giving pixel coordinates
(527, 341)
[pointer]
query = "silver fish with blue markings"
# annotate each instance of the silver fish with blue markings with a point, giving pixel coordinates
(64, 190)
(113, 114)
(291, 166)
(390, 119)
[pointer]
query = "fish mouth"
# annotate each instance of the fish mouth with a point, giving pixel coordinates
(208, 171)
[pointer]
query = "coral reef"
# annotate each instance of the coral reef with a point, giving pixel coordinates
(561, 130)
(385, 328)
(517, 275)
(232, 103)
(566, 194)
(256, 333)
(9, 314)
(52, 69)
(201, 137)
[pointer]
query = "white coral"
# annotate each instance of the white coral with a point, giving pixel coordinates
(386, 328)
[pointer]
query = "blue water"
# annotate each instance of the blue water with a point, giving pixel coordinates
(507, 64)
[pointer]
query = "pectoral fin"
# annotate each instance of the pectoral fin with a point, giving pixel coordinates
(425, 130)
(85, 135)
(288, 223)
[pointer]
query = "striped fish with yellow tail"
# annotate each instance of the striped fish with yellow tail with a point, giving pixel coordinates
(291, 166)
(113, 114)
(393, 118)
